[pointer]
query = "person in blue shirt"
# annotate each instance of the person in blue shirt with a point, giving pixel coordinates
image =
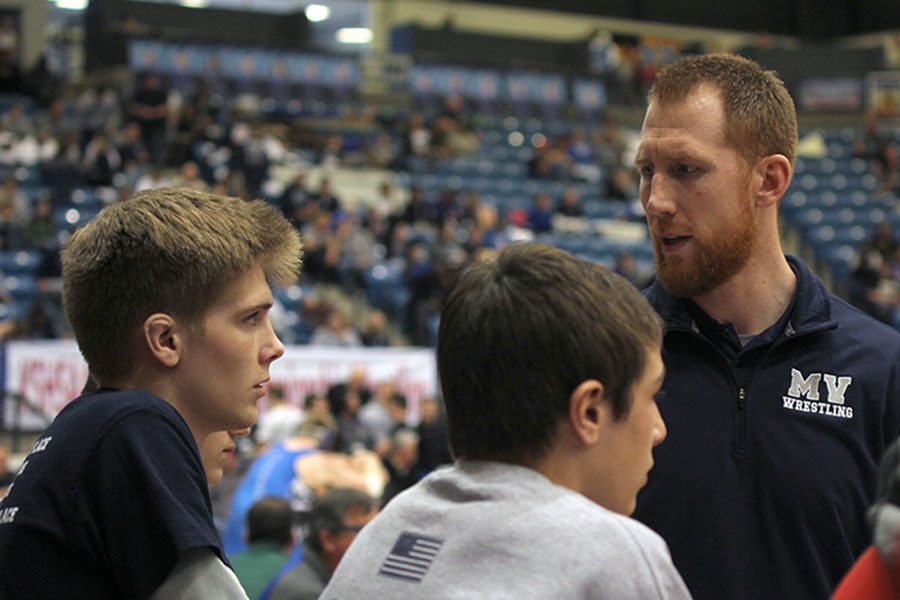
(780, 397)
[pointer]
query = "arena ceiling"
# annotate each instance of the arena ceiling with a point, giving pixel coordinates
(818, 20)
(808, 19)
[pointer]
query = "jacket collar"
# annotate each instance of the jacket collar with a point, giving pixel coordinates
(812, 306)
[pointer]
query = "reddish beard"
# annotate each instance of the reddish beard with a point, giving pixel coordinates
(714, 262)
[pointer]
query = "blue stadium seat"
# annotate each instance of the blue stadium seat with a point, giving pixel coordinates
(19, 262)
(23, 288)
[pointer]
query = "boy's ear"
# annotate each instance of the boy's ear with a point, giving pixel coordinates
(588, 411)
(162, 340)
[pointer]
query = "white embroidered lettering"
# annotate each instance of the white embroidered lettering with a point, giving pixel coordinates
(836, 387)
(41, 445)
(7, 515)
(807, 387)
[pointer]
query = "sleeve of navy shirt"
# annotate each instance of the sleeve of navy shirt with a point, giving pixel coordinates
(149, 500)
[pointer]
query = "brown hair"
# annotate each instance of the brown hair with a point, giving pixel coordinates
(760, 118)
(520, 332)
(171, 250)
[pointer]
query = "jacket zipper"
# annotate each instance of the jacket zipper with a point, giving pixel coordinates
(740, 433)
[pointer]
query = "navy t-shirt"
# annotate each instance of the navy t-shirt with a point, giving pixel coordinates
(110, 496)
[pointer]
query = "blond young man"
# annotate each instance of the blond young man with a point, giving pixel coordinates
(168, 295)
(780, 397)
(549, 366)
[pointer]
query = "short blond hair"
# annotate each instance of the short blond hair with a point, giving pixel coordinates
(170, 250)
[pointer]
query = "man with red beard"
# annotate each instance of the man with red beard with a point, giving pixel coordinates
(780, 398)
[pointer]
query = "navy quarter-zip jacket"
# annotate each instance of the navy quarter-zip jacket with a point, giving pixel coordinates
(772, 457)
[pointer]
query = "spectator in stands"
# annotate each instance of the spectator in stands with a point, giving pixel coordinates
(248, 157)
(40, 232)
(270, 538)
(416, 138)
(384, 200)
(357, 250)
(11, 233)
(540, 214)
(745, 324)
(336, 331)
(884, 240)
(400, 460)
(447, 207)
(583, 157)
(101, 160)
(132, 150)
(279, 422)
(434, 440)
(627, 267)
(150, 108)
(16, 122)
(155, 178)
(570, 203)
(417, 209)
(382, 152)
(873, 289)
(38, 149)
(375, 415)
(548, 162)
(190, 177)
(876, 147)
(12, 196)
(296, 201)
(63, 172)
(351, 433)
(610, 145)
(326, 200)
(621, 185)
(317, 410)
(332, 154)
(99, 110)
(550, 453)
(40, 82)
(58, 119)
(37, 325)
(336, 519)
(375, 332)
(168, 377)
(490, 228)
(424, 291)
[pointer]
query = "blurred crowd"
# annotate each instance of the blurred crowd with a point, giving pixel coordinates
(95, 147)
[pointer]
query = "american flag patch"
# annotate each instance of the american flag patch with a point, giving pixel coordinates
(410, 557)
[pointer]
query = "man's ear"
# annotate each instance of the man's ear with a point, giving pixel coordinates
(588, 411)
(162, 339)
(774, 173)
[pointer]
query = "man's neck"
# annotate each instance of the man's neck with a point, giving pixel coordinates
(754, 299)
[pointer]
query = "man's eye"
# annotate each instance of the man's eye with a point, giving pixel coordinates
(645, 170)
(685, 169)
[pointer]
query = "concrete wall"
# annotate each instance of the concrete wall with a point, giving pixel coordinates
(32, 28)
